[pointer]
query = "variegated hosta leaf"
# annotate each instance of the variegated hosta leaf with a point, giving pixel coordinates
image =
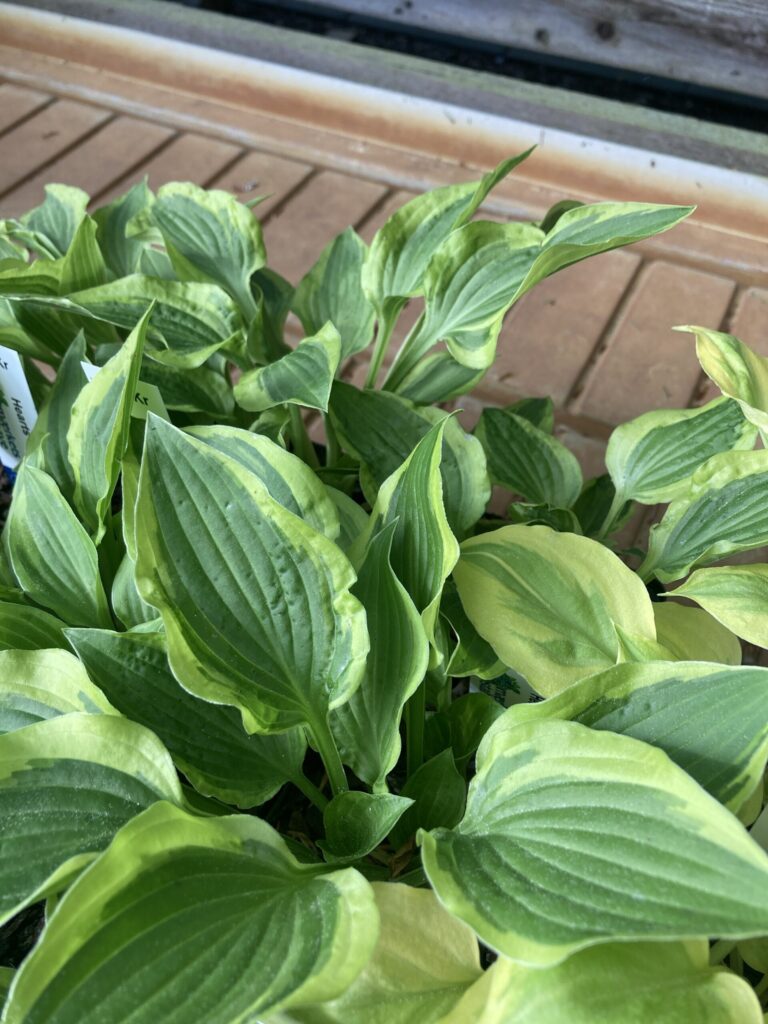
(98, 430)
(711, 720)
(66, 786)
(256, 603)
(472, 656)
(630, 982)
(122, 254)
(691, 634)
(207, 741)
(723, 511)
(652, 458)
(356, 823)
(23, 627)
(736, 595)
(202, 389)
(301, 377)
(423, 963)
(332, 291)
(196, 921)
(739, 372)
(37, 685)
(352, 518)
(437, 378)
(575, 837)
(367, 727)
(55, 221)
(52, 557)
(127, 603)
(528, 460)
(547, 602)
(382, 429)
(83, 265)
(288, 480)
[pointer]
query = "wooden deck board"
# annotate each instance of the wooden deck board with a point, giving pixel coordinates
(17, 103)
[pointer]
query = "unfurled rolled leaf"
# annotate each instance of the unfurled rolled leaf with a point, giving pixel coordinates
(723, 511)
(575, 837)
(691, 634)
(122, 254)
(52, 557)
(355, 823)
(273, 296)
(67, 785)
(302, 377)
(98, 429)
(56, 220)
(382, 429)
(631, 982)
(207, 741)
(214, 233)
(352, 518)
(288, 480)
(737, 597)
(83, 265)
(547, 602)
(739, 372)
(332, 291)
(709, 719)
(37, 685)
(528, 460)
(23, 627)
(186, 900)
(367, 727)
(255, 602)
(438, 793)
(652, 458)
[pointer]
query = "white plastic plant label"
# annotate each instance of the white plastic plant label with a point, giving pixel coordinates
(18, 414)
(147, 398)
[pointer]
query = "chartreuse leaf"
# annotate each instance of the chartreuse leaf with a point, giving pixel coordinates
(122, 254)
(711, 720)
(215, 922)
(355, 823)
(67, 785)
(547, 602)
(691, 634)
(288, 480)
(631, 982)
(739, 372)
(382, 429)
(55, 222)
(37, 685)
(83, 265)
(98, 429)
(23, 627)
(256, 603)
(527, 460)
(424, 961)
(438, 793)
(302, 377)
(207, 741)
(574, 837)
(651, 458)
(332, 291)
(51, 555)
(736, 595)
(216, 234)
(367, 727)
(723, 511)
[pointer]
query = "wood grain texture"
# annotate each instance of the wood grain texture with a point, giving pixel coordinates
(17, 103)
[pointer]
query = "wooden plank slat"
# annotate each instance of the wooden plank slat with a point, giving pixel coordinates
(38, 140)
(102, 159)
(257, 174)
(18, 102)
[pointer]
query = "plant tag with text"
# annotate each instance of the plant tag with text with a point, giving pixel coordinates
(147, 398)
(17, 408)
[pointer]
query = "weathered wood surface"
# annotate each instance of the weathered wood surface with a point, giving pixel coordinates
(717, 43)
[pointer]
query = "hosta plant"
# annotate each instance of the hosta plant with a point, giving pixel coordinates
(300, 733)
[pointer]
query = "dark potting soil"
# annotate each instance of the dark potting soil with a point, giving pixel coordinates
(6, 487)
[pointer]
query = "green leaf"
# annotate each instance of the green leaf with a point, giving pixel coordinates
(561, 519)
(355, 823)
(332, 291)
(289, 480)
(215, 922)
(201, 389)
(98, 430)
(367, 727)
(273, 295)
(58, 217)
(691, 634)
(438, 378)
(595, 507)
(652, 458)
(711, 720)
(23, 627)
(637, 982)
(527, 460)
(122, 254)
(66, 786)
(736, 595)
(574, 837)
(216, 234)
(255, 602)
(127, 602)
(472, 655)
(352, 518)
(51, 555)
(547, 602)
(382, 429)
(538, 411)
(469, 719)
(423, 963)
(83, 265)
(302, 377)
(37, 685)
(207, 741)
(723, 511)
(438, 793)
